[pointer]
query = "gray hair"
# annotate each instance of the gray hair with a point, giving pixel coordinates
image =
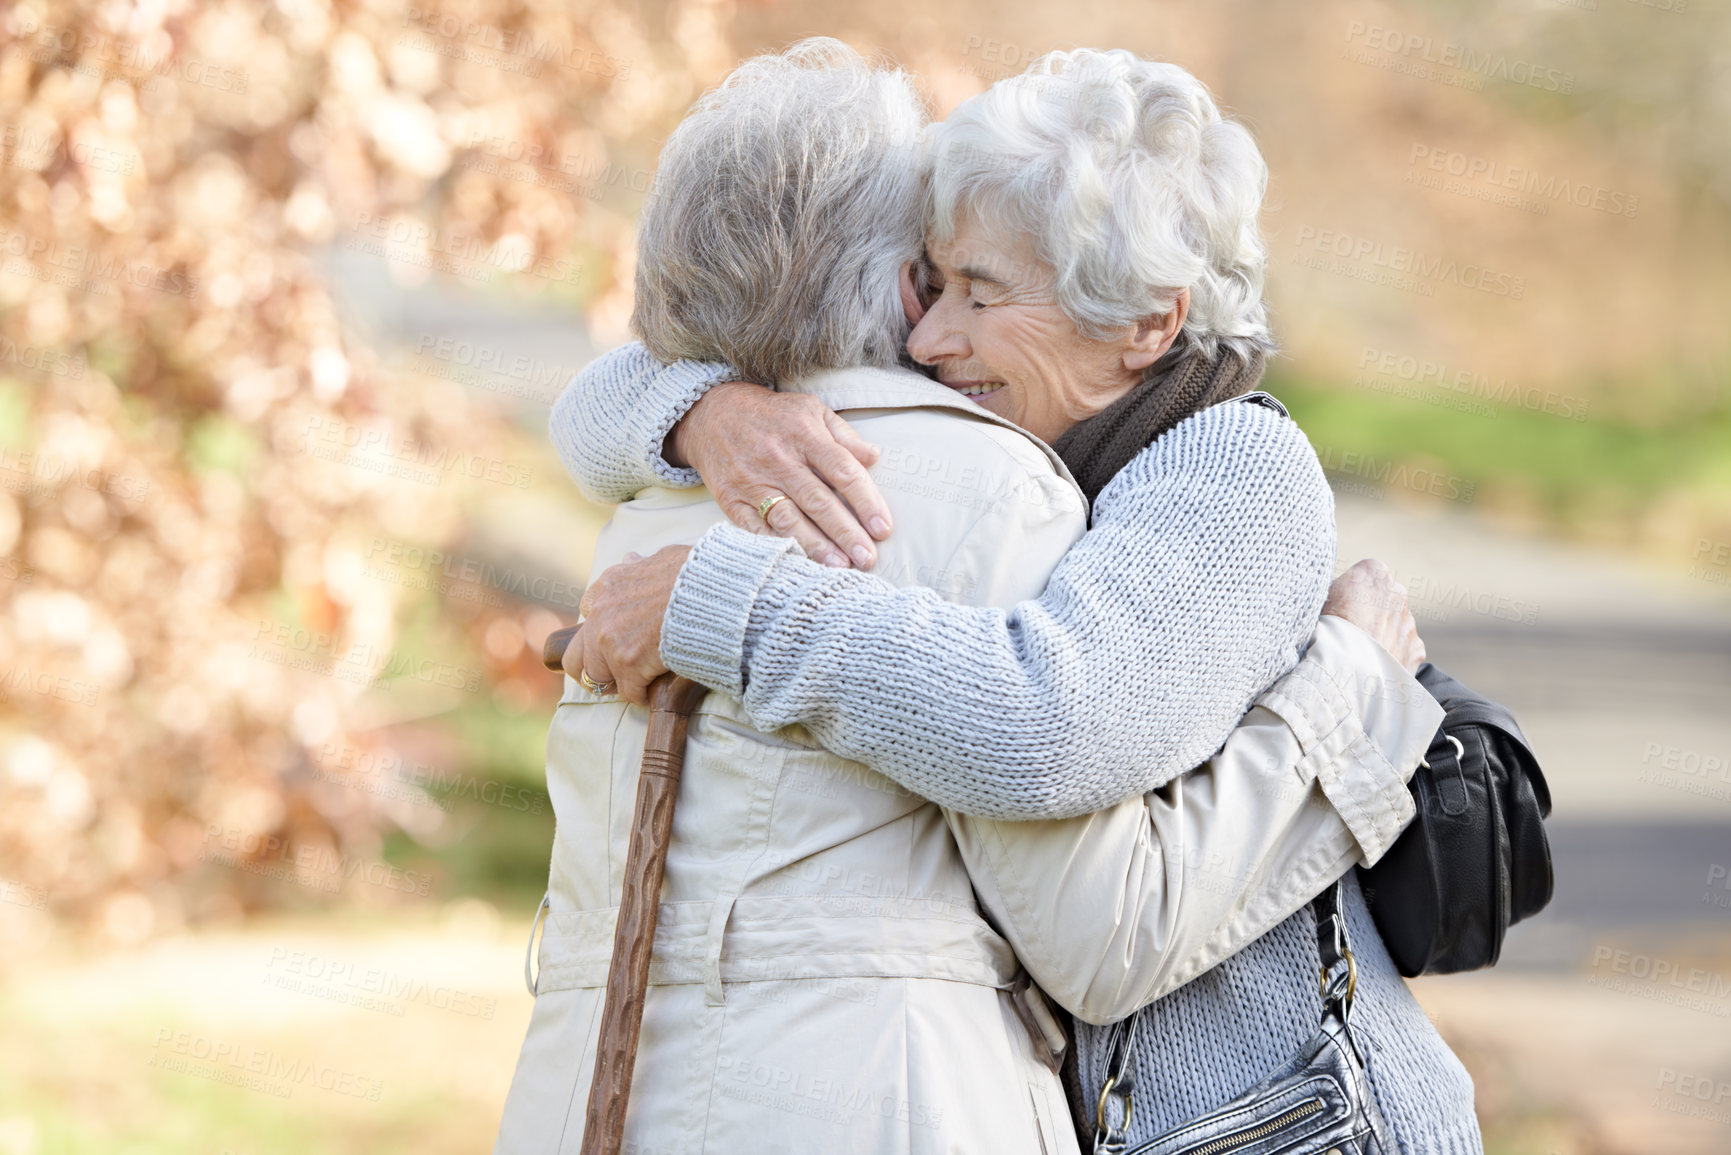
(783, 209)
(1131, 185)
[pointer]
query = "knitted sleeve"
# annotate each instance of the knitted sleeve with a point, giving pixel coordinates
(610, 422)
(1203, 576)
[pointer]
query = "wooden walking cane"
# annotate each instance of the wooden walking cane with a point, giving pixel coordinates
(671, 701)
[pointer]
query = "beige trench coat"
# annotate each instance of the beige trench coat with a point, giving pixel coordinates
(825, 976)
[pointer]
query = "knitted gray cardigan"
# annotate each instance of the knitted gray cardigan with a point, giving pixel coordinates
(1195, 589)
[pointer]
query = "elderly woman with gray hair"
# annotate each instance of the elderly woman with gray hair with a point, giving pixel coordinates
(1094, 277)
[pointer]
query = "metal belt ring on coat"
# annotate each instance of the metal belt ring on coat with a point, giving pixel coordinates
(601, 689)
(532, 978)
(1460, 751)
(767, 504)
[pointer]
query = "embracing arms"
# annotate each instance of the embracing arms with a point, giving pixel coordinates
(1111, 910)
(1193, 592)
(610, 423)
(619, 429)
(1309, 782)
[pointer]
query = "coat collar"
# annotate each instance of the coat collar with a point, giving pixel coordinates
(865, 387)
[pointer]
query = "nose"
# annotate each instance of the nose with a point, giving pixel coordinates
(938, 336)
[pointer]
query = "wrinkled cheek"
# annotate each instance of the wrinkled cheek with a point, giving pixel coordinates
(1005, 404)
(1034, 407)
(1040, 413)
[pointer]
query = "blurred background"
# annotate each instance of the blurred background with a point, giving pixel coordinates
(286, 290)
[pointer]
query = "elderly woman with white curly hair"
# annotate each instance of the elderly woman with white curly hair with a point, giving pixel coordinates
(1093, 274)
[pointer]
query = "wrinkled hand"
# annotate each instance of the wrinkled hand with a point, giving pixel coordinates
(620, 637)
(1368, 596)
(750, 443)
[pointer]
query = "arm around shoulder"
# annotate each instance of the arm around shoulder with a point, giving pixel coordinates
(1201, 579)
(1309, 784)
(612, 419)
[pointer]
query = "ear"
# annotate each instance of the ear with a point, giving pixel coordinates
(910, 296)
(1154, 334)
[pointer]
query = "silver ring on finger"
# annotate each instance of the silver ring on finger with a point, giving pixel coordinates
(767, 504)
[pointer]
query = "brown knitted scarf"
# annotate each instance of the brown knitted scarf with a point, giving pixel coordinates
(1097, 448)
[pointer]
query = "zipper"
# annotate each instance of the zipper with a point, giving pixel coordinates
(1260, 1131)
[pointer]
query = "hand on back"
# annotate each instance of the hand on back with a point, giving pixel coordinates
(751, 445)
(1368, 596)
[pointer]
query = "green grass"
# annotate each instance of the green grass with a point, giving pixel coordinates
(93, 1092)
(504, 839)
(1576, 474)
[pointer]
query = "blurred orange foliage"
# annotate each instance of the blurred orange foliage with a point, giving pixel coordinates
(188, 436)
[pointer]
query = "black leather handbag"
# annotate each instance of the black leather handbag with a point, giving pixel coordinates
(1475, 860)
(1318, 1103)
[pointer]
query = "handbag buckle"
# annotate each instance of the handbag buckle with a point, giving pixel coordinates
(1332, 983)
(1109, 1138)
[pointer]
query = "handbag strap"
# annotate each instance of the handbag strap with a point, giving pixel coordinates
(1339, 984)
(1111, 1138)
(1334, 949)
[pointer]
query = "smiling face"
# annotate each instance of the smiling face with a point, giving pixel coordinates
(996, 334)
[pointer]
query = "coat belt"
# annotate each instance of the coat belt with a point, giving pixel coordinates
(806, 937)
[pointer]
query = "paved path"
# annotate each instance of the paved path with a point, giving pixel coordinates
(1621, 677)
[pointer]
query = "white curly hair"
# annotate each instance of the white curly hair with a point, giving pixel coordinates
(1131, 184)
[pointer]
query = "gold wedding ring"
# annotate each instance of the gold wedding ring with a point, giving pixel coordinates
(768, 504)
(601, 689)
